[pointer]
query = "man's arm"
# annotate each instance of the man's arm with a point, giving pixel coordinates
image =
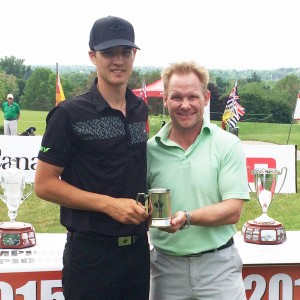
(50, 187)
(223, 213)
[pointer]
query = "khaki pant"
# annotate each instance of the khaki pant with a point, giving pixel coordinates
(10, 127)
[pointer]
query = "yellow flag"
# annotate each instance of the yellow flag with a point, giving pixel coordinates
(228, 113)
(60, 96)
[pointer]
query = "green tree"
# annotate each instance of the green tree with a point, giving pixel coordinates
(222, 85)
(290, 84)
(8, 84)
(254, 78)
(152, 75)
(136, 78)
(253, 98)
(15, 67)
(216, 107)
(280, 110)
(40, 90)
(74, 83)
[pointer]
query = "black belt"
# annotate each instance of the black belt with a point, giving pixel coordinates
(227, 245)
(10, 119)
(119, 241)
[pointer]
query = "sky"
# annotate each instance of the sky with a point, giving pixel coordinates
(218, 34)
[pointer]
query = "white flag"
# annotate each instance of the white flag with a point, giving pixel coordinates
(297, 109)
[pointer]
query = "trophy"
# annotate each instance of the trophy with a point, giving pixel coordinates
(15, 234)
(264, 229)
(158, 203)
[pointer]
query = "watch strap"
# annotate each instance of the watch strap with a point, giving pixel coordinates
(188, 221)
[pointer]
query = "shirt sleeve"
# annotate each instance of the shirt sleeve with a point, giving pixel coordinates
(56, 143)
(233, 181)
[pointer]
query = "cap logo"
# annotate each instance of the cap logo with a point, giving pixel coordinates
(116, 27)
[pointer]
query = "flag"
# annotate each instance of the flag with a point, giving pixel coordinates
(143, 92)
(143, 95)
(297, 108)
(60, 96)
(233, 110)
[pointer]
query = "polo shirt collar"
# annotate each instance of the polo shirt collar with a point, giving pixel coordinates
(162, 135)
(101, 104)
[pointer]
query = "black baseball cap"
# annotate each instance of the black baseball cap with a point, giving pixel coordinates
(111, 32)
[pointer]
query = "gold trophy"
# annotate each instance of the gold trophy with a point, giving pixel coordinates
(158, 203)
(15, 234)
(264, 229)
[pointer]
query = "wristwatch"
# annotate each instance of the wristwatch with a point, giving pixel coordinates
(188, 221)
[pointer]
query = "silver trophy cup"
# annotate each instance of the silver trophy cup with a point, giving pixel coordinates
(158, 204)
(264, 229)
(265, 181)
(15, 234)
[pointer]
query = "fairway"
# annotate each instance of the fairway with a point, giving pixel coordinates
(30, 118)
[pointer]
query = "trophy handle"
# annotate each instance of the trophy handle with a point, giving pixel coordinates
(30, 191)
(146, 200)
(139, 195)
(280, 173)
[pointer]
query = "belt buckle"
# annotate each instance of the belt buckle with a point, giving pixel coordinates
(125, 241)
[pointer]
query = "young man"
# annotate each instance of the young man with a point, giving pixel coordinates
(204, 168)
(11, 112)
(93, 164)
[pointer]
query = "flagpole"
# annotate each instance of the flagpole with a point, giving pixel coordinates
(56, 80)
(287, 142)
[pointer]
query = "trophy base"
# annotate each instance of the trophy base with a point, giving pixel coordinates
(160, 223)
(16, 235)
(263, 233)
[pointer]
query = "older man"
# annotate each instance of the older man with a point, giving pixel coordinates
(11, 112)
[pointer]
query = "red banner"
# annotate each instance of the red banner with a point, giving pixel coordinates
(261, 282)
(272, 282)
(31, 286)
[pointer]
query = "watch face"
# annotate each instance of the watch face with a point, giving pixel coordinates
(11, 239)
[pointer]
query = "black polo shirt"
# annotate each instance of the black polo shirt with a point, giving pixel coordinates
(102, 151)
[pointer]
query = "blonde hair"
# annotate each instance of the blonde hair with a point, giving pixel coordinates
(185, 67)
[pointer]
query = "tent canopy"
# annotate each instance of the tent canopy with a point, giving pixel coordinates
(154, 89)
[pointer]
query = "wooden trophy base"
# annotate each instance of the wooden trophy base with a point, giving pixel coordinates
(16, 235)
(264, 233)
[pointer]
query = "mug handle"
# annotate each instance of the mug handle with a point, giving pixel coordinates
(147, 208)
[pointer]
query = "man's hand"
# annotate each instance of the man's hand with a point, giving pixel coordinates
(127, 211)
(177, 222)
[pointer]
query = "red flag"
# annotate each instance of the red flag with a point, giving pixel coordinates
(143, 95)
(60, 96)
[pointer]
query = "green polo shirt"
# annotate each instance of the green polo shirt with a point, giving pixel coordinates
(11, 111)
(212, 170)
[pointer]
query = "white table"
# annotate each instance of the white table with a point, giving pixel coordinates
(35, 273)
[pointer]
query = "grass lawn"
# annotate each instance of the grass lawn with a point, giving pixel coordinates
(44, 216)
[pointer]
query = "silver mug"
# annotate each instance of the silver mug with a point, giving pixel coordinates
(158, 204)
